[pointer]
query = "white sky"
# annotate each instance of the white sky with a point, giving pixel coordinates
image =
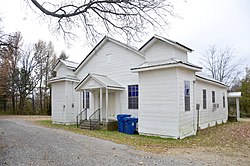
(204, 22)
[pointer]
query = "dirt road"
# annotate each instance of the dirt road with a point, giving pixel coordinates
(23, 143)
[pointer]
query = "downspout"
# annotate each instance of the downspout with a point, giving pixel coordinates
(178, 100)
(72, 96)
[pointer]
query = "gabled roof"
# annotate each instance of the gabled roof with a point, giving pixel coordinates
(171, 42)
(100, 44)
(68, 64)
(165, 64)
(103, 80)
(203, 76)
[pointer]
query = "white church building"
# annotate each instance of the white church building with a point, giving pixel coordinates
(155, 83)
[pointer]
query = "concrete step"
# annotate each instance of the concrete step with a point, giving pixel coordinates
(86, 124)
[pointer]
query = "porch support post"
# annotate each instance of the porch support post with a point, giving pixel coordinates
(238, 108)
(101, 103)
(107, 104)
(85, 102)
(85, 96)
(81, 105)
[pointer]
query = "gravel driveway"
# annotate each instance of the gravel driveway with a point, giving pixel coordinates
(23, 143)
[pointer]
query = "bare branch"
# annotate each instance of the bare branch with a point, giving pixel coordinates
(221, 64)
(131, 18)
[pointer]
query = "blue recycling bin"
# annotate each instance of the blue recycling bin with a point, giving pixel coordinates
(120, 118)
(130, 125)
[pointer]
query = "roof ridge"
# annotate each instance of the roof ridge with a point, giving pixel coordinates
(164, 39)
(69, 61)
(128, 45)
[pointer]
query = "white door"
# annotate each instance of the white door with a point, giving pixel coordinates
(111, 105)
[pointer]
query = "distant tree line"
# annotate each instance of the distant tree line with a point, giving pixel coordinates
(24, 75)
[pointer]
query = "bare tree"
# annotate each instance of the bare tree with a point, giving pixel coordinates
(40, 57)
(28, 80)
(22, 71)
(130, 18)
(44, 56)
(221, 64)
(4, 38)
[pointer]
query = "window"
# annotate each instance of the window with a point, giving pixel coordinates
(213, 96)
(204, 99)
(187, 95)
(87, 100)
(224, 101)
(133, 96)
(108, 58)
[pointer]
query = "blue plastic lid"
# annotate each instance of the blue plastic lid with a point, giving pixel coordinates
(133, 119)
(121, 116)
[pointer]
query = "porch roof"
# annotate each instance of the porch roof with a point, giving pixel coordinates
(94, 81)
(234, 94)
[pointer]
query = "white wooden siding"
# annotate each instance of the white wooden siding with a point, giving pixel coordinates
(187, 118)
(162, 51)
(63, 71)
(65, 101)
(180, 54)
(118, 69)
(158, 113)
(71, 109)
(208, 116)
(58, 102)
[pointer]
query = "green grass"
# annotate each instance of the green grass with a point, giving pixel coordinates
(229, 134)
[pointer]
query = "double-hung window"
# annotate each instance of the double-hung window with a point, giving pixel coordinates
(133, 93)
(213, 96)
(187, 95)
(204, 99)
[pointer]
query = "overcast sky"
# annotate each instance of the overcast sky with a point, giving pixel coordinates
(204, 22)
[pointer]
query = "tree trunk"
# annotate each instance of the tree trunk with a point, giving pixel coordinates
(33, 103)
(21, 104)
(13, 103)
(40, 91)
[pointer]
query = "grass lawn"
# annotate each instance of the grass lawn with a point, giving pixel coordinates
(231, 134)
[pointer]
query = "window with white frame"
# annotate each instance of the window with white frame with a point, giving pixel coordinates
(187, 95)
(108, 58)
(87, 100)
(133, 93)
